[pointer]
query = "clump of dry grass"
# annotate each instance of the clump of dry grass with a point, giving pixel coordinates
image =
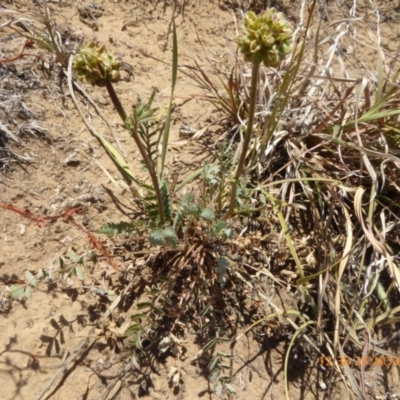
(326, 156)
(19, 81)
(325, 165)
(16, 122)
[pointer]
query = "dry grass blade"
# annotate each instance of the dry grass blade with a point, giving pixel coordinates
(48, 38)
(344, 129)
(342, 266)
(378, 245)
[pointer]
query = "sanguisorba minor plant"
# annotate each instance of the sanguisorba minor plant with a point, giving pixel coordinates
(95, 65)
(267, 39)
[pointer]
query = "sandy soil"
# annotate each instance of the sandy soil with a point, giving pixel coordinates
(39, 333)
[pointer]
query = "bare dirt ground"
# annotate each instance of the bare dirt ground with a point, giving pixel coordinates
(63, 171)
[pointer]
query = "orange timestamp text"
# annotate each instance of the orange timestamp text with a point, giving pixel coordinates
(381, 361)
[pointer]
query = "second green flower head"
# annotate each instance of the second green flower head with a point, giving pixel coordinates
(267, 37)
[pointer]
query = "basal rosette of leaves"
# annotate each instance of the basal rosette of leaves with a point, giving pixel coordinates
(267, 37)
(96, 65)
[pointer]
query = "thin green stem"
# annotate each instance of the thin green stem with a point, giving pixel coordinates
(241, 165)
(153, 175)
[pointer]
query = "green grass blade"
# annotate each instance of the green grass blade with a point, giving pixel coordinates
(190, 178)
(169, 113)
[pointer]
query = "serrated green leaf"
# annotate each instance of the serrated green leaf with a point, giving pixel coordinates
(110, 230)
(34, 283)
(166, 299)
(193, 210)
(187, 207)
(137, 316)
(209, 345)
(151, 321)
(214, 375)
(207, 214)
(227, 355)
(158, 310)
(157, 238)
(223, 230)
(29, 276)
(218, 389)
(79, 273)
(230, 388)
(213, 363)
(130, 228)
(28, 292)
(17, 292)
(229, 233)
(210, 174)
(164, 237)
(133, 329)
(146, 304)
(223, 264)
(121, 228)
(31, 279)
(73, 256)
(138, 340)
(135, 362)
(223, 367)
(219, 226)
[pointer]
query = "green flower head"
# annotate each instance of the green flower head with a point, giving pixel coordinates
(96, 65)
(267, 37)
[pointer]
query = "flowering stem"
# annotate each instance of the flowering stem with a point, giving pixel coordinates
(247, 137)
(118, 106)
(115, 100)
